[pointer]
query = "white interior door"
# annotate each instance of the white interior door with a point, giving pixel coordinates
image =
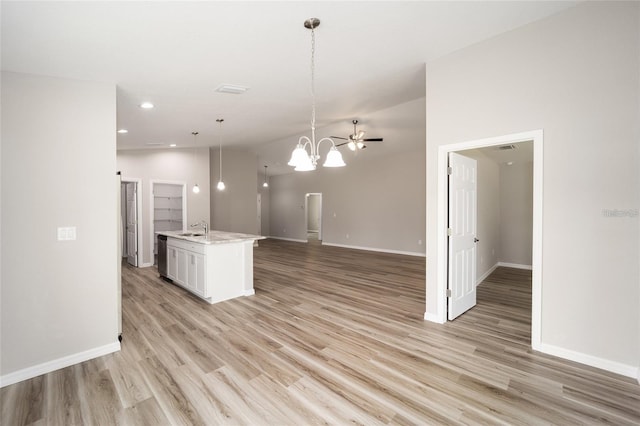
(463, 205)
(132, 223)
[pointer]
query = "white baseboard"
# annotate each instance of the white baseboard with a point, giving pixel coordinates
(288, 239)
(433, 318)
(249, 292)
(486, 274)
(145, 265)
(407, 253)
(514, 265)
(593, 361)
(56, 364)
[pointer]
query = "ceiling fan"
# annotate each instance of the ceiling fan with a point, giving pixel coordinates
(356, 140)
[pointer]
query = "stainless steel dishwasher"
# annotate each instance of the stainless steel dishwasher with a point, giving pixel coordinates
(162, 255)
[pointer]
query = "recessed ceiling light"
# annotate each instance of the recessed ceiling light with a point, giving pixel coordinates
(146, 105)
(509, 163)
(123, 131)
(232, 88)
(173, 145)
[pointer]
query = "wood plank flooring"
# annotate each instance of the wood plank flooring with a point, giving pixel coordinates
(332, 336)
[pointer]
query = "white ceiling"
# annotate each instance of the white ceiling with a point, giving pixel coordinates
(370, 56)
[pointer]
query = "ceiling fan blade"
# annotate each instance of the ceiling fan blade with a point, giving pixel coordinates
(338, 137)
(373, 140)
(340, 144)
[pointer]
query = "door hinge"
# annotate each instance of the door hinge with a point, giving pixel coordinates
(448, 293)
(449, 170)
(449, 232)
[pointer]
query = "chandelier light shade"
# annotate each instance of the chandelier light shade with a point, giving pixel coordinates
(265, 184)
(301, 159)
(196, 188)
(221, 185)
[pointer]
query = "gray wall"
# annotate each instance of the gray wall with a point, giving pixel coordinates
(236, 208)
(575, 75)
(59, 298)
(377, 201)
(516, 213)
(175, 165)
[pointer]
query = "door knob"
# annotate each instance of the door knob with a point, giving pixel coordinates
(475, 240)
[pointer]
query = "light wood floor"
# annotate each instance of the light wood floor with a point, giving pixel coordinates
(332, 336)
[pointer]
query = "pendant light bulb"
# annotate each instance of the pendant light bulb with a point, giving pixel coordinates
(221, 186)
(196, 188)
(265, 184)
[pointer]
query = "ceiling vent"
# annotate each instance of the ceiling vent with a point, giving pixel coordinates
(231, 88)
(506, 147)
(154, 143)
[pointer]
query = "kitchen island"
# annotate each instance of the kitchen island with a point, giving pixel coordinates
(215, 266)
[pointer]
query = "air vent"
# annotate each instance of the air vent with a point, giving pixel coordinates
(154, 143)
(231, 88)
(506, 147)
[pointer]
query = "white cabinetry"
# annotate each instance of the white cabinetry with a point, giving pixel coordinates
(216, 268)
(187, 265)
(172, 262)
(195, 273)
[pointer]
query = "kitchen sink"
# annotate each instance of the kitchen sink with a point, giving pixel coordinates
(190, 234)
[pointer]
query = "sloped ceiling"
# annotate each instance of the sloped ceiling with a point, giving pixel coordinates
(369, 56)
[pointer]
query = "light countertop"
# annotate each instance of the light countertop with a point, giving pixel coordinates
(212, 237)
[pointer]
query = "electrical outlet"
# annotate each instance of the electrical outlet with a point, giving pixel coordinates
(419, 242)
(347, 236)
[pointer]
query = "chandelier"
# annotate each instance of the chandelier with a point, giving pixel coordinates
(301, 159)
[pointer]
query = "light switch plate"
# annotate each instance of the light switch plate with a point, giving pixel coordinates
(66, 233)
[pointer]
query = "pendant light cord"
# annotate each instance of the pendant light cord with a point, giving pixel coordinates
(313, 84)
(220, 141)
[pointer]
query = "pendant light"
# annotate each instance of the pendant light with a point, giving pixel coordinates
(265, 184)
(221, 185)
(300, 158)
(196, 188)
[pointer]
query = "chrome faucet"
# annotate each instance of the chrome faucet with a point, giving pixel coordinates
(204, 226)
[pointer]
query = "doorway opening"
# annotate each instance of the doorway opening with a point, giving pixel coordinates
(536, 137)
(131, 213)
(313, 216)
(168, 208)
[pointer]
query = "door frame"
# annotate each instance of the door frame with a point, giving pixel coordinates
(442, 206)
(306, 214)
(139, 220)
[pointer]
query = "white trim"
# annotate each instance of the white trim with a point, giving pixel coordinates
(249, 292)
(306, 213)
(537, 137)
(406, 253)
(433, 318)
(146, 265)
(288, 239)
(515, 265)
(56, 364)
(486, 274)
(139, 217)
(593, 361)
